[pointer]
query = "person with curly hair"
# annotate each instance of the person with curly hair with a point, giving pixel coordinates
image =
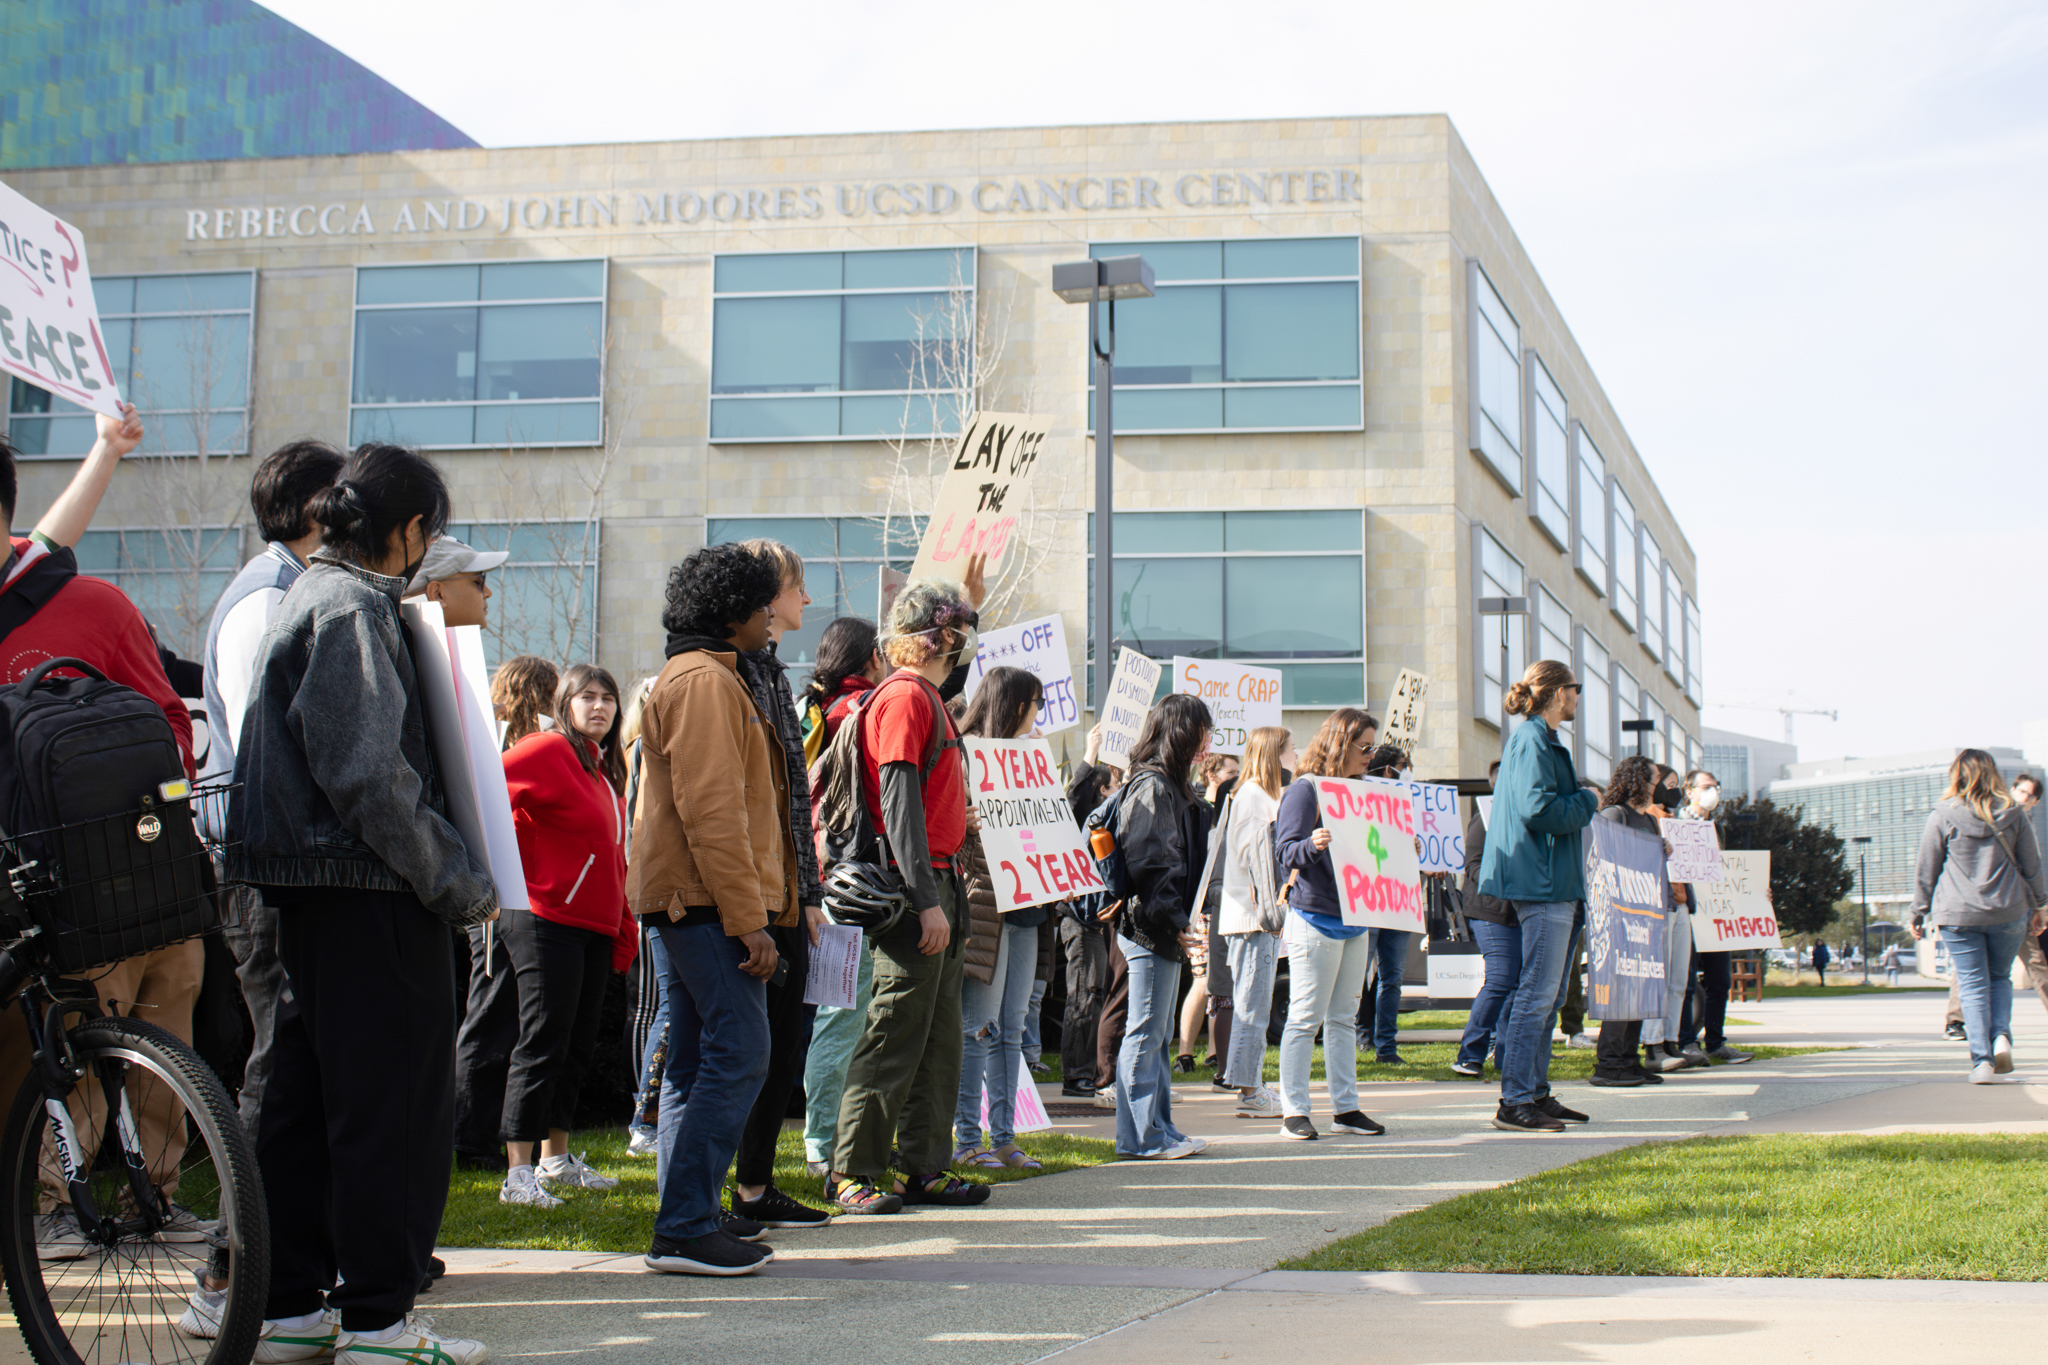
(714, 866)
(1630, 794)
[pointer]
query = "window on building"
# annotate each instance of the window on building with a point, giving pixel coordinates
(823, 345)
(179, 348)
(1285, 590)
(1622, 555)
(506, 354)
(174, 575)
(1551, 494)
(1495, 376)
(1500, 575)
(544, 597)
(1553, 637)
(1674, 625)
(1253, 335)
(1589, 556)
(1692, 650)
(1596, 708)
(1652, 558)
(843, 561)
(1628, 705)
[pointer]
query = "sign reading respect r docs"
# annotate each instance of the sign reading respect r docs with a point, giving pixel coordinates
(49, 324)
(981, 497)
(1241, 697)
(1372, 850)
(1028, 831)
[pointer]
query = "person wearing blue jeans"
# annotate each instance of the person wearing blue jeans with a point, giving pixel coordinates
(717, 1057)
(1534, 860)
(1144, 1095)
(1390, 961)
(833, 1035)
(992, 1049)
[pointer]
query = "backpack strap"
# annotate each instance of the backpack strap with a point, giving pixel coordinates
(32, 591)
(942, 738)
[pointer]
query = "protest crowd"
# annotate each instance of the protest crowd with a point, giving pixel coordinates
(712, 831)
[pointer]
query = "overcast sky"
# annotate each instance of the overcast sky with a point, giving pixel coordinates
(1801, 245)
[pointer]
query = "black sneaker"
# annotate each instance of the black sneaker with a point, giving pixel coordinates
(1184, 1065)
(1729, 1056)
(940, 1188)
(1223, 1087)
(1956, 1033)
(712, 1254)
(1621, 1078)
(1549, 1105)
(1391, 1059)
(774, 1209)
(1298, 1126)
(743, 1229)
(1648, 1077)
(1525, 1118)
(1472, 1070)
(1078, 1090)
(1352, 1121)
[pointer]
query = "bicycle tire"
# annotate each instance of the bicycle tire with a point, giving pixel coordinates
(212, 1129)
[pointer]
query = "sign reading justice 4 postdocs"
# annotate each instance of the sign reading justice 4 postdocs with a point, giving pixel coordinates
(1736, 912)
(1241, 698)
(1130, 697)
(49, 324)
(1034, 848)
(1040, 649)
(980, 500)
(1372, 847)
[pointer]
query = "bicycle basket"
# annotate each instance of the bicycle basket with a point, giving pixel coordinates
(98, 891)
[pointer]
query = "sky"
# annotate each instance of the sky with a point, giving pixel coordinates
(1800, 244)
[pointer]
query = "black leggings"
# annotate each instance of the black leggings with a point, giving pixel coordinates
(787, 1033)
(560, 970)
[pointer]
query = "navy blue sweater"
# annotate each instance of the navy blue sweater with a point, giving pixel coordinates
(1314, 896)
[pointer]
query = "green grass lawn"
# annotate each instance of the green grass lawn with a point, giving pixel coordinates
(1914, 1206)
(1774, 991)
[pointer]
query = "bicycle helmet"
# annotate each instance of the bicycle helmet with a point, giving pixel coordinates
(867, 896)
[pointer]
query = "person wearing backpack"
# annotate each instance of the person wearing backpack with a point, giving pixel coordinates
(344, 827)
(1253, 914)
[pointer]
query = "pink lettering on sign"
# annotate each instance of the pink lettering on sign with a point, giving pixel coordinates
(1363, 891)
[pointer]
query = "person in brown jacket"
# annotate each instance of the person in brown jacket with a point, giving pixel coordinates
(714, 865)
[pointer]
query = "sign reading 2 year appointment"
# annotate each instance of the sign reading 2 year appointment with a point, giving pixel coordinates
(1372, 849)
(1028, 833)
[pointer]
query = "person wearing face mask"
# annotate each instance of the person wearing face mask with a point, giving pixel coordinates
(1711, 974)
(1661, 1052)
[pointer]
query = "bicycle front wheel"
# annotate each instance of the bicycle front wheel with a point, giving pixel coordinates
(166, 1258)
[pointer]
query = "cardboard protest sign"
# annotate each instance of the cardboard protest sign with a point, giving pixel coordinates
(1039, 648)
(1626, 921)
(1027, 1114)
(1736, 912)
(1372, 849)
(1028, 832)
(1695, 850)
(1404, 710)
(49, 323)
(834, 973)
(1241, 697)
(1436, 824)
(1130, 697)
(978, 502)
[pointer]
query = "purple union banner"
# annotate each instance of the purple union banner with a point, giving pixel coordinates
(1626, 921)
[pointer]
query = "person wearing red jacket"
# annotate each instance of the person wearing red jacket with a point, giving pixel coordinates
(569, 810)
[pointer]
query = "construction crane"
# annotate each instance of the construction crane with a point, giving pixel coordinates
(1787, 710)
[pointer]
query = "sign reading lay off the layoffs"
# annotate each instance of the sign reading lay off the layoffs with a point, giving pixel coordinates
(1130, 696)
(1241, 698)
(1736, 912)
(981, 498)
(1372, 850)
(1039, 648)
(1626, 921)
(49, 324)
(1695, 850)
(1028, 831)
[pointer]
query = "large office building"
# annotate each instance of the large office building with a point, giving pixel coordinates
(1746, 764)
(1351, 411)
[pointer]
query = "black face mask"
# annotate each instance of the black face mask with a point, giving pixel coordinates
(1667, 797)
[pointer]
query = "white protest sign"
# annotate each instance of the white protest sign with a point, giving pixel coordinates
(1695, 850)
(1130, 697)
(1028, 832)
(1241, 697)
(1027, 1113)
(979, 500)
(1039, 648)
(1454, 975)
(49, 323)
(1436, 825)
(1372, 850)
(1485, 804)
(1404, 710)
(1736, 912)
(835, 967)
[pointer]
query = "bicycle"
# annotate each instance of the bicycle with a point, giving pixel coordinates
(132, 1221)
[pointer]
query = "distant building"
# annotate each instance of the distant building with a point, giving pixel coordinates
(1745, 764)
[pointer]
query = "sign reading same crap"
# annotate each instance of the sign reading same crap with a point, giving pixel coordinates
(1241, 697)
(1040, 649)
(1626, 898)
(1736, 912)
(49, 324)
(1372, 850)
(980, 500)
(1028, 831)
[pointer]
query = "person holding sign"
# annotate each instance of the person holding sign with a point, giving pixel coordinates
(1325, 955)
(1533, 860)
(1710, 975)
(1660, 1032)
(1629, 793)
(1252, 915)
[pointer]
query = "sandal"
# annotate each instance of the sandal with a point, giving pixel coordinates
(940, 1188)
(857, 1194)
(1015, 1158)
(978, 1157)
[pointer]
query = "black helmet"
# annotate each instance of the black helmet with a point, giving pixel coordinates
(867, 896)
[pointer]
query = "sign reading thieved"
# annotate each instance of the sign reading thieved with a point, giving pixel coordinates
(49, 323)
(1241, 697)
(1736, 912)
(1626, 921)
(1130, 697)
(980, 500)
(1028, 831)
(1372, 848)
(1040, 649)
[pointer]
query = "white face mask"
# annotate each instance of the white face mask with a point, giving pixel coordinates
(1706, 798)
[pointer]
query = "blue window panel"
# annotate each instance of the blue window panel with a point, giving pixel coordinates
(777, 273)
(1140, 533)
(940, 268)
(413, 426)
(899, 341)
(1256, 260)
(1294, 531)
(189, 362)
(897, 414)
(416, 355)
(1165, 410)
(767, 418)
(1170, 260)
(190, 293)
(538, 424)
(1170, 606)
(119, 334)
(1291, 331)
(418, 284)
(1335, 406)
(810, 537)
(543, 280)
(547, 350)
(775, 346)
(52, 435)
(1293, 608)
(113, 294)
(1175, 337)
(863, 537)
(1322, 684)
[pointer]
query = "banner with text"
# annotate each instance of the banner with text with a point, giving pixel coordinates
(1736, 912)
(1404, 710)
(1695, 850)
(1437, 826)
(980, 500)
(1372, 849)
(1039, 648)
(1626, 921)
(1130, 697)
(49, 323)
(1028, 832)
(1241, 697)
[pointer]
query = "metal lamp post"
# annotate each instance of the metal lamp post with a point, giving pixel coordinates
(1504, 607)
(1638, 728)
(1862, 842)
(1094, 282)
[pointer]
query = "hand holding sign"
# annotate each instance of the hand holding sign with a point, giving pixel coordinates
(1371, 823)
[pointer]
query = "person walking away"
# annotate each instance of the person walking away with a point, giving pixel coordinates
(1980, 880)
(1821, 958)
(1711, 974)
(1326, 957)
(1500, 950)
(344, 827)
(1533, 860)
(1890, 962)
(1000, 958)
(2026, 791)
(905, 1071)
(1250, 905)
(569, 813)
(1380, 1015)
(713, 867)
(1630, 798)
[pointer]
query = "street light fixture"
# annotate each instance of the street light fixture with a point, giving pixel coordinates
(1862, 842)
(1095, 282)
(1504, 607)
(1638, 728)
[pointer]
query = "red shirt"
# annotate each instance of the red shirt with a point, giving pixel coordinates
(572, 840)
(899, 721)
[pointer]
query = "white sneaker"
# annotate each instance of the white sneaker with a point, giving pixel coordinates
(1185, 1147)
(279, 1344)
(186, 1226)
(520, 1187)
(644, 1142)
(1106, 1099)
(1585, 1040)
(417, 1343)
(1262, 1103)
(1984, 1073)
(2001, 1054)
(201, 1317)
(58, 1237)
(570, 1170)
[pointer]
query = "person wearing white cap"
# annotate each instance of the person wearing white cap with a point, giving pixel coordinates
(453, 575)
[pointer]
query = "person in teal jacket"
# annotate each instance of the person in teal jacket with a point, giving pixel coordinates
(1534, 860)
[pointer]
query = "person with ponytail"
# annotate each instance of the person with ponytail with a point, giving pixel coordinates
(344, 828)
(849, 663)
(1533, 862)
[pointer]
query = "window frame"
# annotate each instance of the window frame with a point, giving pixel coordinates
(1358, 280)
(1674, 638)
(239, 531)
(1625, 580)
(1478, 421)
(603, 301)
(1485, 642)
(1602, 517)
(1583, 666)
(1693, 690)
(1650, 604)
(1543, 605)
(1535, 377)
